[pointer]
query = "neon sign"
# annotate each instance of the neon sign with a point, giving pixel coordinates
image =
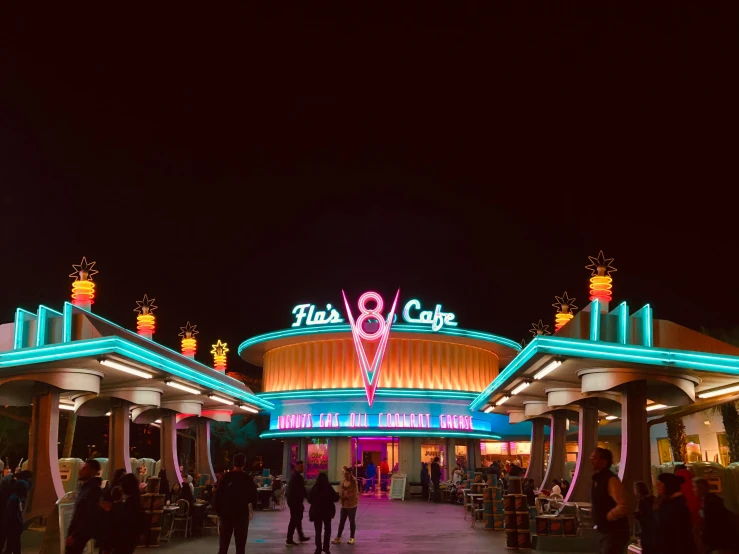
(312, 316)
(437, 319)
(383, 420)
(370, 371)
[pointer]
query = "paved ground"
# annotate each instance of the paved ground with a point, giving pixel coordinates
(383, 526)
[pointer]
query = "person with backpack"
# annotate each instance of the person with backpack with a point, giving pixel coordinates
(322, 501)
(236, 493)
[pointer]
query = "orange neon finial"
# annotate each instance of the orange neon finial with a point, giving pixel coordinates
(565, 305)
(539, 329)
(600, 280)
(145, 320)
(219, 355)
(189, 344)
(83, 289)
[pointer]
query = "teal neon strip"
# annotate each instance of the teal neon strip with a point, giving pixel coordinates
(351, 393)
(67, 323)
(41, 323)
(385, 432)
(595, 320)
(623, 322)
(556, 346)
(398, 327)
(523, 356)
(21, 316)
(648, 326)
(117, 345)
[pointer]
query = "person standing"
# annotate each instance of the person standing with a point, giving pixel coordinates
(236, 492)
(673, 521)
(295, 495)
(645, 516)
(384, 475)
(86, 518)
(370, 475)
(14, 517)
(436, 479)
(127, 516)
(719, 525)
(349, 499)
(425, 480)
(322, 501)
(610, 510)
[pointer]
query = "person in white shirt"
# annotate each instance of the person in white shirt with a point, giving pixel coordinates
(556, 489)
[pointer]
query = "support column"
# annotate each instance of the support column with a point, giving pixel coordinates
(286, 469)
(203, 463)
(635, 450)
(168, 447)
(339, 455)
(535, 470)
(43, 457)
(557, 444)
(119, 452)
(587, 441)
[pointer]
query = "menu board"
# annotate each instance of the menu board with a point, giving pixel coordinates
(397, 486)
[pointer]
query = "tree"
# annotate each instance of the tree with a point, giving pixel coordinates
(14, 429)
(730, 415)
(678, 439)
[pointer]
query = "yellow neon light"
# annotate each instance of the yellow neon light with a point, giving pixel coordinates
(83, 289)
(219, 352)
(600, 280)
(189, 344)
(145, 320)
(565, 305)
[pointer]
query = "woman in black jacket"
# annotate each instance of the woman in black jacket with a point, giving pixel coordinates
(127, 516)
(322, 499)
(645, 516)
(673, 522)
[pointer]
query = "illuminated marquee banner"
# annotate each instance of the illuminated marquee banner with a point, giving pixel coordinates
(378, 421)
(307, 315)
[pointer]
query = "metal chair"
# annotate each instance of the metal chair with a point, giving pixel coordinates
(182, 515)
(212, 522)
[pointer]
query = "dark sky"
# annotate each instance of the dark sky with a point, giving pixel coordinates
(233, 160)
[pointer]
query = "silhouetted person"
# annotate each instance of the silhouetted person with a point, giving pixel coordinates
(236, 492)
(14, 517)
(436, 479)
(425, 479)
(645, 516)
(127, 516)
(86, 518)
(322, 500)
(719, 525)
(673, 522)
(296, 494)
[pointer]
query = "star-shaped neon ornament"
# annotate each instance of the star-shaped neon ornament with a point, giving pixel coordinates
(564, 303)
(188, 331)
(145, 306)
(539, 329)
(600, 265)
(83, 271)
(219, 348)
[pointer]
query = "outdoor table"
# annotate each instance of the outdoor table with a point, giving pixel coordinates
(265, 493)
(198, 512)
(169, 512)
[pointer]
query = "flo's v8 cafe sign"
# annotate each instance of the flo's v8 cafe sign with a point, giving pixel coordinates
(370, 323)
(307, 315)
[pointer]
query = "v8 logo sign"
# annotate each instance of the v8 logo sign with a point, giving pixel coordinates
(370, 317)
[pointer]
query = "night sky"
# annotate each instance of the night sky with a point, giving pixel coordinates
(235, 162)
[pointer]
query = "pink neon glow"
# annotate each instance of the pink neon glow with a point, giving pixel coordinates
(370, 372)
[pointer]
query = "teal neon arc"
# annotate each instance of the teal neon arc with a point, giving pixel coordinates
(358, 393)
(397, 328)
